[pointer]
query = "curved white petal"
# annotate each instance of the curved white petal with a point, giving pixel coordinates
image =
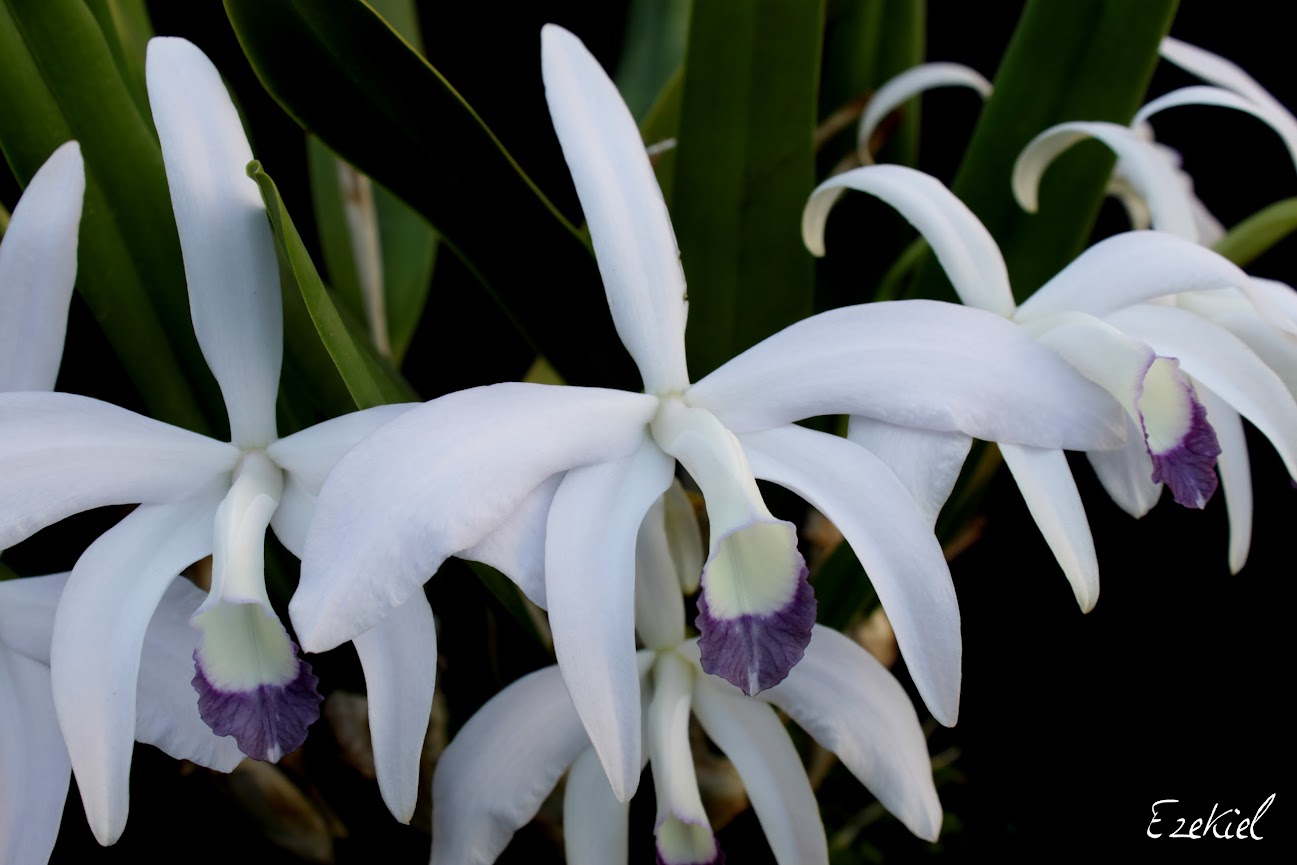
(1276, 302)
(1222, 362)
(292, 518)
(684, 537)
(34, 767)
(628, 220)
(98, 636)
(1240, 316)
(893, 540)
(926, 462)
(27, 608)
(308, 456)
(1130, 268)
(1047, 486)
(517, 546)
(853, 707)
(757, 744)
(399, 657)
(964, 247)
(595, 824)
(38, 266)
(166, 706)
(919, 363)
(436, 481)
(61, 454)
(910, 83)
(1271, 113)
(1214, 69)
(1142, 164)
(492, 778)
(229, 253)
(590, 585)
(1127, 473)
(659, 605)
(1235, 471)
(666, 726)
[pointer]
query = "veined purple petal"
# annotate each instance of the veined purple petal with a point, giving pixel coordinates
(756, 609)
(756, 650)
(267, 720)
(1183, 446)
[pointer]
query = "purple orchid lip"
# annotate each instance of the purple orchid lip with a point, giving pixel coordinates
(1189, 466)
(756, 651)
(268, 720)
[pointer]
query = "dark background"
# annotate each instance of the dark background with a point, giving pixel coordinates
(1071, 725)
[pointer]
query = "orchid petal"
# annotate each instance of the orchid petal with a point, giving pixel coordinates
(914, 363)
(853, 707)
(399, 657)
(893, 540)
(674, 780)
(308, 456)
(684, 537)
(251, 683)
(756, 609)
(1130, 268)
(38, 266)
(34, 768)
(517, 546)
(1214, 69)
(926, 462)
(1275, 301)
(384, 522)
(659, 606)
(1235, 471)
(757, 744)
(1223, 363)
(905, 86)
(228, 250)
(1127, 473)
(1156, 180)
(595, 824)
(1237, 314)
(292, 518)
(590, 584)
(490, 781)
(1269, 112)
(61, 454)
(166, 705)
(964, 247)
(99, 633)
(624, 210)
(1050, 492)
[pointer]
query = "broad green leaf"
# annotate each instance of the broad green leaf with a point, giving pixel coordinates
(351, 80)
(1079, 60)
(743, 170)
(370, 381)
(1254, 236)
(652, 51)
(127, 30)
(58, 81)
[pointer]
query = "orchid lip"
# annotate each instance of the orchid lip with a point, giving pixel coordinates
(1181, 442)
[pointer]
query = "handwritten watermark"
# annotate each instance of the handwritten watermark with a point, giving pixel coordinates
(1218, 824)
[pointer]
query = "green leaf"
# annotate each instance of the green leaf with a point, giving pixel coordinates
(1254, 236)
(127, 30)
(59, 81)
(652, 51)
(370, 381)
(744, 169)
(351, 80)
(1079, 60)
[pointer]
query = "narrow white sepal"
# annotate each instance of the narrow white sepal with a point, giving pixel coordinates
(596, 827)
(1235, 470)
(38, 266)
(229, 253)
(926, 462)
(901, 88)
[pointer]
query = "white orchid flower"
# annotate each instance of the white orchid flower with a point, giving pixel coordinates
(550, 483)
(1260, 314)
(491, 781)
(1094, 315)
(61, 454)
(901, 88)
